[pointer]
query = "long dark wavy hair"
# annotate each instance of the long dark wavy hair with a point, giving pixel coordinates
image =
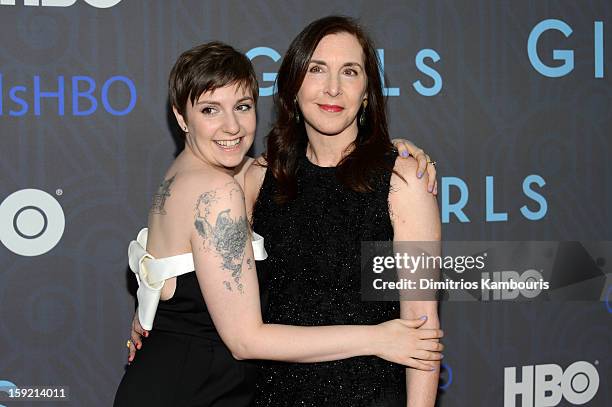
(287, 140)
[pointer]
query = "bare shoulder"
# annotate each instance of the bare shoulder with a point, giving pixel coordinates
(189, 186)
(261, 161)
(178, 201)
(194, 183)
(258, 167)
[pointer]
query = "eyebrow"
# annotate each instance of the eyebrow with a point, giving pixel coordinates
(215, 103)
(320, 62)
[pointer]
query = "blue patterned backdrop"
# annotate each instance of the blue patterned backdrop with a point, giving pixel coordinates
(512, 98)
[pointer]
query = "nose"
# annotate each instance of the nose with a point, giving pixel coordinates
(231, 125)
(333, 85)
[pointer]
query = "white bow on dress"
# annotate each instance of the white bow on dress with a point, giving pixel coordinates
(151, 273)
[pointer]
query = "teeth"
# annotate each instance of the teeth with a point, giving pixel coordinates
(228, 143)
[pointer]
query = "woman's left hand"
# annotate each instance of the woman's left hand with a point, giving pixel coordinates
(406, 148)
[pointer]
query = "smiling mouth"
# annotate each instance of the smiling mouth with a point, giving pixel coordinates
(228, 144)
(331, 108)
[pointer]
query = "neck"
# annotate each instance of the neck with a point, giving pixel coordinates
(328, 150)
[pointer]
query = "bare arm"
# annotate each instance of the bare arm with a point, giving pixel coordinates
(226, 272)
(415, 217)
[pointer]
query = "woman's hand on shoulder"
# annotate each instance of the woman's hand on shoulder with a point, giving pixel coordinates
(406, 168)
(405, 149)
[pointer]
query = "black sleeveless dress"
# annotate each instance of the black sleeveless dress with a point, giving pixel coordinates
(183, 362)
(312, 277)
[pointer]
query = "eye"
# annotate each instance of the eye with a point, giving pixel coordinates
(245, 107)
(351, 72)
(208, 110)
(315, 69)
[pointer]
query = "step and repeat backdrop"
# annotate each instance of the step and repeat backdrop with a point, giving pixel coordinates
(513, 99)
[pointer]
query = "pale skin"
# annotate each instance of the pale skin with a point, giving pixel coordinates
(415, 217)
(200, 208)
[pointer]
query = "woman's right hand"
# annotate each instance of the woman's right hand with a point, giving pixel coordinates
(404, 342)
(136, 337)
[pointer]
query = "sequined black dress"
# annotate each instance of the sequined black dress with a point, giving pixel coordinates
(312, 277)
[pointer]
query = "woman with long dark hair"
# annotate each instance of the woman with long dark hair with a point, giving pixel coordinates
(329, 180)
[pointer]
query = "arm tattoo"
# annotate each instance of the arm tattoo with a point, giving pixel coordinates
(159, 199)
(392, 189)
(225, 234)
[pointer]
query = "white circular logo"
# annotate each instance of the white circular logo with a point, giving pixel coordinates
(580, 382)
(31, 222)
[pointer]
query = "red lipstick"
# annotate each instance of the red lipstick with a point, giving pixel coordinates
(331, 108)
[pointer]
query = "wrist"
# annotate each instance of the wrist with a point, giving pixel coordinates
(373, 339)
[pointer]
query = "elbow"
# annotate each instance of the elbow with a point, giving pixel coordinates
(243, 344)
(239, 350)
(237, 356)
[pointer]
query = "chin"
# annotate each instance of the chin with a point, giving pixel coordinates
(329, 129)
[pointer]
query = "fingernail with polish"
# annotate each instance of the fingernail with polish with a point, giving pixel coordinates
(420, 174)
(424, 317)
(404, 153)
(430, 189)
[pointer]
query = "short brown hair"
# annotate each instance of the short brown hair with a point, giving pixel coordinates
(205, 68)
